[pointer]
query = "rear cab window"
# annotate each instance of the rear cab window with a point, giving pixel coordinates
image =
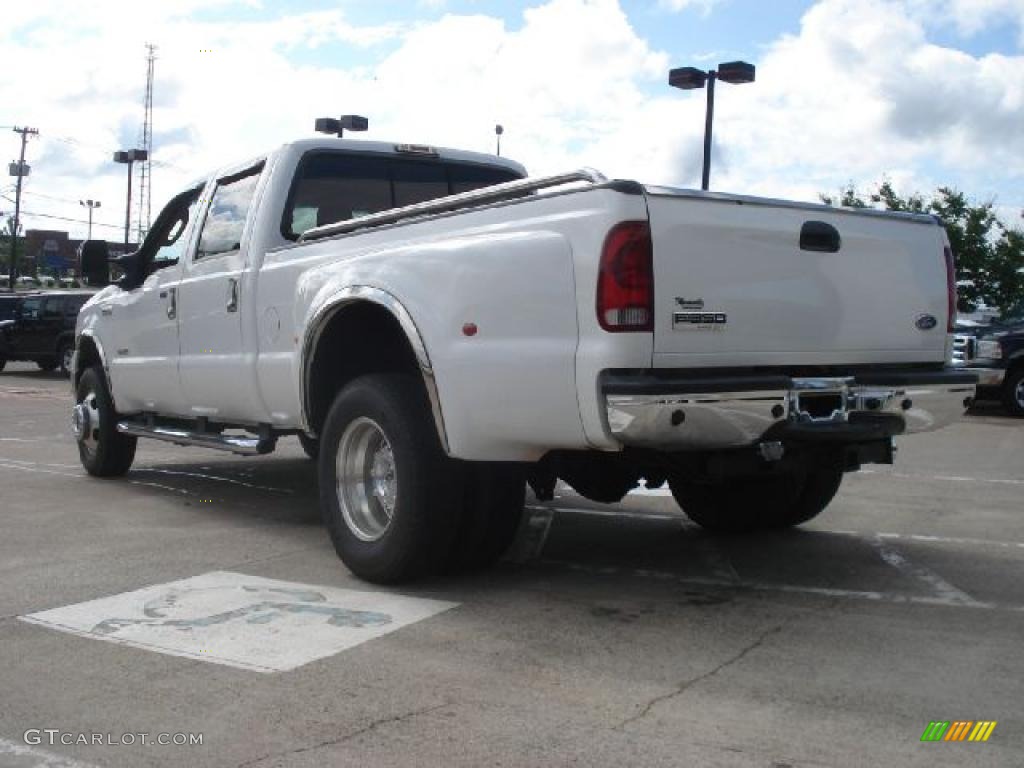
(331, 186)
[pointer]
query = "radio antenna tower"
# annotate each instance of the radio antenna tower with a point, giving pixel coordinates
(146, 143)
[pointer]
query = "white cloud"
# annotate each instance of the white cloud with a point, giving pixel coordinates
(856, 93)
(704, 6)
(971, 16)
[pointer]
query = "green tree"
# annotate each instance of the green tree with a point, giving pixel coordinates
(989, 254)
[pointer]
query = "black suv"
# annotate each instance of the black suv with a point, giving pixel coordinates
(42, 329)
(996, 354)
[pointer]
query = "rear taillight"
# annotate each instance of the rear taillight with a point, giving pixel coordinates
(625, 279)
(950, 289)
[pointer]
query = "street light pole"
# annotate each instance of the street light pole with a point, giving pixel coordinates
(129, 156)
(691, 78)
(128, 207)
(709, 118)
(90, 204)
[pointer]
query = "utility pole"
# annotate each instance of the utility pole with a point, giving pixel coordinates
(20, 170)
(146, 143)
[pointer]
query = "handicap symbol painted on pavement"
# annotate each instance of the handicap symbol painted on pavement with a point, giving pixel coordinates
(190, 608)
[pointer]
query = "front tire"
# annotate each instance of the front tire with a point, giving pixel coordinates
(103, 451)
(64, 355)
(389, 496)
(745, 505)
(47, 365)
(1013, 392)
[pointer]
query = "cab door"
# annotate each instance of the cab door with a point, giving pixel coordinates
(23, 336)
(143, 321)
(216, 380)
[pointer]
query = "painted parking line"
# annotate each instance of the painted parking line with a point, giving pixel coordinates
(724, 575)
(758, 586)
(250, 622)
(629, 514)
(939, 586)
(944, 478)
(14, 755)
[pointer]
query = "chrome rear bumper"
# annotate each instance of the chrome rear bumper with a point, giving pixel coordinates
(702, 414)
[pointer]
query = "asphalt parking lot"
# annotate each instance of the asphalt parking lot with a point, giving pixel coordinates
(612, 635)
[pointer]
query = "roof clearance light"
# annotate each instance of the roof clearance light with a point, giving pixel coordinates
(416, 149)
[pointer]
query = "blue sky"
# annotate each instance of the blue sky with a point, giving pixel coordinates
(922, 92)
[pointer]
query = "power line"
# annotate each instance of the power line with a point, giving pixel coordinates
(108, 150)
(49, 197)
(66, 218)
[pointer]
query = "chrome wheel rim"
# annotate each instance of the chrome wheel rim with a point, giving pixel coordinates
(367, 479)
(86, 421)
(1019, 393)
(66, 359)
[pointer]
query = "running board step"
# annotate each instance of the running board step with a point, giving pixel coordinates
(245, 446)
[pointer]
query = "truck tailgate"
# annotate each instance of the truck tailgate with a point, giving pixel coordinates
(735, 286)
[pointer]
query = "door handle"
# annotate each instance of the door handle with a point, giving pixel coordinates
(172, 305)
(232, 304)
(107, 310)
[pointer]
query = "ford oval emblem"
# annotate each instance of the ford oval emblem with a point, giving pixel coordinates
(925, 322)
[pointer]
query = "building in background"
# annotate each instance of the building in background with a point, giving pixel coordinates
(53, 252)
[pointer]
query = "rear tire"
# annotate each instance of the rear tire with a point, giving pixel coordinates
(393, 515)
(744, 505)
(103, 450)
(494, 497)
(1013, 392)
(3, 362)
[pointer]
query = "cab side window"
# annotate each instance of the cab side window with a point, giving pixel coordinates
(174, 235)
(229, 208)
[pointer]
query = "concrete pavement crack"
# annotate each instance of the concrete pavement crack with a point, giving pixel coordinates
(687, 684)
(372, 726)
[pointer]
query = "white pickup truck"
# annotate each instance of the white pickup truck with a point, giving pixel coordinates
(438, 329)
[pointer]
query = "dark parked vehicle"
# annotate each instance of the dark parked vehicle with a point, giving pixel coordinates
(41, 328)
(9, 303)
(996, 354)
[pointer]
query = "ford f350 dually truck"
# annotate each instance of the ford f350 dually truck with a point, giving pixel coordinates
(439, 329)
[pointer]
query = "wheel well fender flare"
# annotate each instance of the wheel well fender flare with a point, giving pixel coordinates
(88, 337)
(325, 312)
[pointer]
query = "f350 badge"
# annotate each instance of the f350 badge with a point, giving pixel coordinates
(691, 315)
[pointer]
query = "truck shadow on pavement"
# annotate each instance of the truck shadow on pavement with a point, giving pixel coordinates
(644, 539)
